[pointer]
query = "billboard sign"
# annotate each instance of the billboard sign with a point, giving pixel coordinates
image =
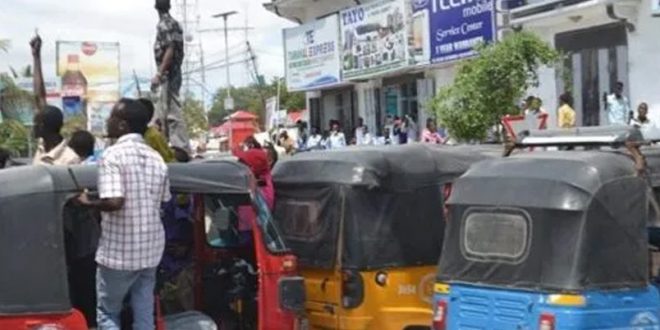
(374, 39)
(456, 27)
(89, 74)
(311, 54)
(24, 112)
(419, 44)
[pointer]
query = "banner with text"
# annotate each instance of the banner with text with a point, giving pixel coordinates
(90, 80)
(311, 54)
(24, 111)
(374, 38)
(457, 26)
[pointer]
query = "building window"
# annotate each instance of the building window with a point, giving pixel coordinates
(409, 104)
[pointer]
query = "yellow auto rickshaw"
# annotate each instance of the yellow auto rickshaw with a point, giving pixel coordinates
(367, 225)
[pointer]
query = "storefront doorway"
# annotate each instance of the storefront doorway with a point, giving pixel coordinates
(595, 59)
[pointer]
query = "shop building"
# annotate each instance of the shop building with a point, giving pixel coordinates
(604, 41)
(379, 76)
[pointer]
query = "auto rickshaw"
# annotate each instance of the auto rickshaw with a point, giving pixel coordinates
(367, 225)
(234, 286)
(550, 240)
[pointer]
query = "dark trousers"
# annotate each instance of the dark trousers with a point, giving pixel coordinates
(82, 287)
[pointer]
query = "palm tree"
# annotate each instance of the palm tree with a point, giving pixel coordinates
(13, 135)
(4, 45)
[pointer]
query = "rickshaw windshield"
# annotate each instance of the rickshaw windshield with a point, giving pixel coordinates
(379, 228)
(272, 237)
(228, 222)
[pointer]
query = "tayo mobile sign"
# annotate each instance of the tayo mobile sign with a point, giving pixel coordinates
(457, 26)
(312, 54)
(90, 80)
(374, 38)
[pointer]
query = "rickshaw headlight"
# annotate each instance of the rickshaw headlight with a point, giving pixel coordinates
(567, 300)
(381, 278)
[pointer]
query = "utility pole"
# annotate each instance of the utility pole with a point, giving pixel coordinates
(229, 102)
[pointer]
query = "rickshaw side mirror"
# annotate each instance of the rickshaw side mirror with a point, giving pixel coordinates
(292, 294)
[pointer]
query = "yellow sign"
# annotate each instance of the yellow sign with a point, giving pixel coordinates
(89, 72)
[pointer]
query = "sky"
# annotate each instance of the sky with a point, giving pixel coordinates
(132, 23)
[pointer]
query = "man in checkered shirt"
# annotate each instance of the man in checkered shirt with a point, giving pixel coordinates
(132, 183)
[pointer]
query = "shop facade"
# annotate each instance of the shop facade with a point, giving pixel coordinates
(389, 56)
(603, 42)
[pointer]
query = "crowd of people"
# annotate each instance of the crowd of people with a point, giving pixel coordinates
(617, 106)
(133, 188)
(395, 131)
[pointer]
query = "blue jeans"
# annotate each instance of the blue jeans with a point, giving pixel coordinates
(112, 286)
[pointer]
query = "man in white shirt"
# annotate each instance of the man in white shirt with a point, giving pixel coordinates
(337, 139)
(132, 183)
(52, 148)
(359, 132)
(314, 140)
(642, 120)
(618, 106)
(367, 139)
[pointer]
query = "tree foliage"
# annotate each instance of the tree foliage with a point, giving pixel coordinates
(252, 98)
(5, 44)
(14, 137)
(73, 124)
(488, 86)
(194, 116)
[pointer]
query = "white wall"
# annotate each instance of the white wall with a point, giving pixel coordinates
(643, 58)
(547, 89)
(644, 62)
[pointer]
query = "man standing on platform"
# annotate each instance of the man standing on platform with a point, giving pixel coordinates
(168, 52)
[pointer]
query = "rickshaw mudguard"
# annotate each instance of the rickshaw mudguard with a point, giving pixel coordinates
(499, 308)
(72, 320)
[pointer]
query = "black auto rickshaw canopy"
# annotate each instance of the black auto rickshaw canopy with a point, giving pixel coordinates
(567, 221)
(32, 253)
(368, 207)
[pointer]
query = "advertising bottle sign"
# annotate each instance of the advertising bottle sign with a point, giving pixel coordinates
(74, 82)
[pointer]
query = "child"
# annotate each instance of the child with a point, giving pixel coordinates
(82, 142)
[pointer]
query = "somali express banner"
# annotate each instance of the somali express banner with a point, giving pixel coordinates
(312, 54)
(374, 38)
(457, 26)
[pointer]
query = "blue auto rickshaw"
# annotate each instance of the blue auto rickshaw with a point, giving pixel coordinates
(548, 240)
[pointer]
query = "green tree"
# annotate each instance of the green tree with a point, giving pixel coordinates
(488, 86)
(74, 123)
(14, 137)
(194, 116)
(245, 98)
(4, 45)
(252, 98)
